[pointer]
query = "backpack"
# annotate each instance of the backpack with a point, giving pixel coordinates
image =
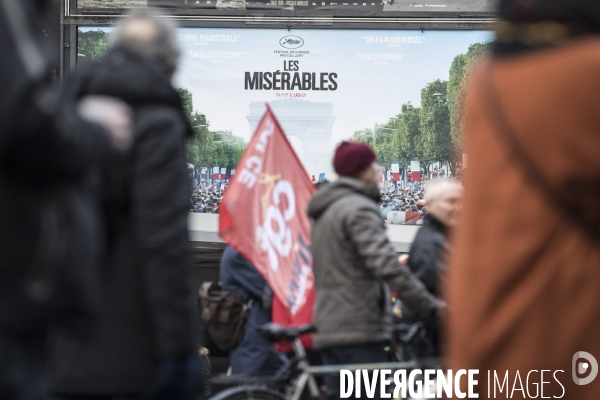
(225, 314)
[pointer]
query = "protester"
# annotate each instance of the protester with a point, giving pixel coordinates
(353, 263)
(428, 253)
(524, 284)
(254, 355)
(49, 245)
(145, 341)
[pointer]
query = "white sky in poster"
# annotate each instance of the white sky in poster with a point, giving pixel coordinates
(369, 91)
(377, 71)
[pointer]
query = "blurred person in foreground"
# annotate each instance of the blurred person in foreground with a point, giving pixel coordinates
(354, 263)
(429, 252)
(145, 341)
(254, 355)
(49, 219)
(524, 286)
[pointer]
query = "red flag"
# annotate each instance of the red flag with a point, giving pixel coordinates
(416, 176)
(305, 316)
(263, 216)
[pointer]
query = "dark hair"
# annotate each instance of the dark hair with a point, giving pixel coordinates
(533, 24)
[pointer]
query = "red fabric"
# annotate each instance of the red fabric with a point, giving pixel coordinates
(416, 176)
(352, 158)
(263, 216)
(412, 217)
(304, 316)
(395, 176)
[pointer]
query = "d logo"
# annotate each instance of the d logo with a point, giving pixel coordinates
(582, 367)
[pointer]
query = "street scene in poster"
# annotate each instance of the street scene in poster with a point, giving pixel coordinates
(300, 5)
(398, 91)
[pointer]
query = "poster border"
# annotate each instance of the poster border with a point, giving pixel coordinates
(185, 18)
(71, 10)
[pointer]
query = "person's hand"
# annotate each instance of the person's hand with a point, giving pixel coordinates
(111, 113)
(178, 378)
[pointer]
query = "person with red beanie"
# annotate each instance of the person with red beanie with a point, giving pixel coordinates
(355, 266)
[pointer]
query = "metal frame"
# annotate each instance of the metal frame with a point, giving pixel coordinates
(278, 11)
(71, 18)
(296, 19)
(70, 23)
(269, 18)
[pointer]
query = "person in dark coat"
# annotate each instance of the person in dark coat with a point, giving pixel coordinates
(49, 243)
(428, 253)
(254, 355)
(145, 343)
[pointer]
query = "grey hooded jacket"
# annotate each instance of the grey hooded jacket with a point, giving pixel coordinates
(354, 263)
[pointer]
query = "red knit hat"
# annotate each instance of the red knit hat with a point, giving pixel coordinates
(352, 158)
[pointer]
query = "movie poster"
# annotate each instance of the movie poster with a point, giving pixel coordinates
(399, 91)
(326, 86)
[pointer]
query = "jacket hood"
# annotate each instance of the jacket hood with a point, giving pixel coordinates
(331, 192)
(131, 77)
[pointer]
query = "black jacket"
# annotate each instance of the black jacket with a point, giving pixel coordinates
(46, 155)
(149, 303)
(427, 253)
(426, 260)
(254, 356)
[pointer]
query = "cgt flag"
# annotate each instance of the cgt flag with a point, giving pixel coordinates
(263, 216)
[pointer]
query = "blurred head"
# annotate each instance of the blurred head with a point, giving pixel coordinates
(357, 160)
(444, 201)
(152, 37)
(527, 24)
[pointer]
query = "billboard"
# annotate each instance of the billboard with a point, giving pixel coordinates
(398, 91)
(324, 86)
(329, 6)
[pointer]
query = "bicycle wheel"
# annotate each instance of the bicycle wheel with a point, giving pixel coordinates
(248, 393)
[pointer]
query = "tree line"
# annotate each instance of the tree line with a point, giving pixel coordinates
(206, 148)
(433, 132)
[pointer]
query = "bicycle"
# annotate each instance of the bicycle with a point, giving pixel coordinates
(296, 375)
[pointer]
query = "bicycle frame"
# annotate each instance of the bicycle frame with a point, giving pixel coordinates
(309, 372)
